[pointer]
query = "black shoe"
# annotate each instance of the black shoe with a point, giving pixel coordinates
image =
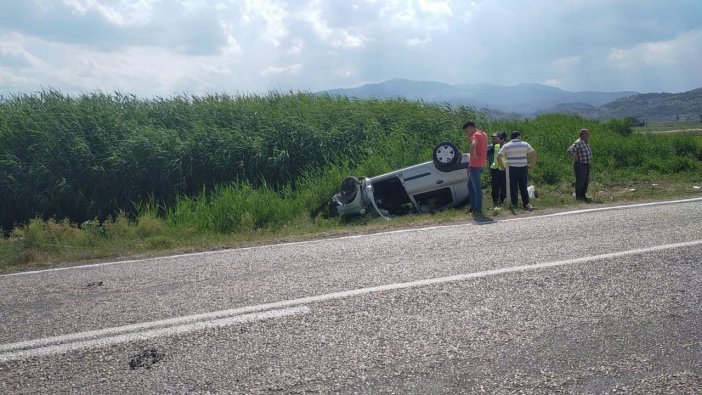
(480, 218)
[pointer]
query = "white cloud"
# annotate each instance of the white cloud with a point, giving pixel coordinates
(666, 65)
(567, 61)
(296, 48)
(345, 40)
(435, 7)
(292, 69)
(153, 47)
(268, 16)
(110, 13)
(314, 18)
(13, 54)
(416, 42)
(344, 72)
(423, 15)
(660, 53)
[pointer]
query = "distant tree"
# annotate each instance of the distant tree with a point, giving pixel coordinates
(634, 121)
(620, 126)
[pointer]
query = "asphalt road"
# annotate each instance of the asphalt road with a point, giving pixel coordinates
(607, 300)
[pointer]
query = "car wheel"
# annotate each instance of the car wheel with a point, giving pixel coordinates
(446, 155)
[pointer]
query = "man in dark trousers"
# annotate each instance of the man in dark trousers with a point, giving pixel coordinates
(521, 158)
(498, 179)
(582, 161)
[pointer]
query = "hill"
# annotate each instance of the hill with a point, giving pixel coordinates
(657, 107)
(522, 99)
(525, 100)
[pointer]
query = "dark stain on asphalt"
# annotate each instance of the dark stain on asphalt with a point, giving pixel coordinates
(94, 284)
(145, 359)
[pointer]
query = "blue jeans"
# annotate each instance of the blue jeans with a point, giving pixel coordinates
(474, 189)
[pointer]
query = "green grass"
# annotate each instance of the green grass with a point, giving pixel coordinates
(45, 243)
(92, 156)
(137, 177)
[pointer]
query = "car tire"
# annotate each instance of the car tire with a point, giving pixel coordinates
(446, 155)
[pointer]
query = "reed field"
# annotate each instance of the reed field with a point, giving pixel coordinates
(113, 175)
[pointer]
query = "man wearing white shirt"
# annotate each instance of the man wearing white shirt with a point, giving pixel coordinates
(521, 158)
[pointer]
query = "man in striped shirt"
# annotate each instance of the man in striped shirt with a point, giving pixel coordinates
(521, 158)
(582, 160)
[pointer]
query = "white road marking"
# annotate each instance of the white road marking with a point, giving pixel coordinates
(148, 330)
(346, 237)
(131, 333)
(596, 209)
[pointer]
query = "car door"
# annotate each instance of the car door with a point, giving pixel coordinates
(427, 187)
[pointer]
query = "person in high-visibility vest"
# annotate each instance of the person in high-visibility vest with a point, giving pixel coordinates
(498, 178)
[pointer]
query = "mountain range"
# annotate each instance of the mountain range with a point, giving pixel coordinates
(526, 100)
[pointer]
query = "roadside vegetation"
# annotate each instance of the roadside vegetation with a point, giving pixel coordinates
(687, 129)
(113, 176)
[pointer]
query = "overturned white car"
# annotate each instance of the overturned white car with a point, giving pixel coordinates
(426, 187)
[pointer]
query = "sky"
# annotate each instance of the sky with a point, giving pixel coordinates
(197, 47)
